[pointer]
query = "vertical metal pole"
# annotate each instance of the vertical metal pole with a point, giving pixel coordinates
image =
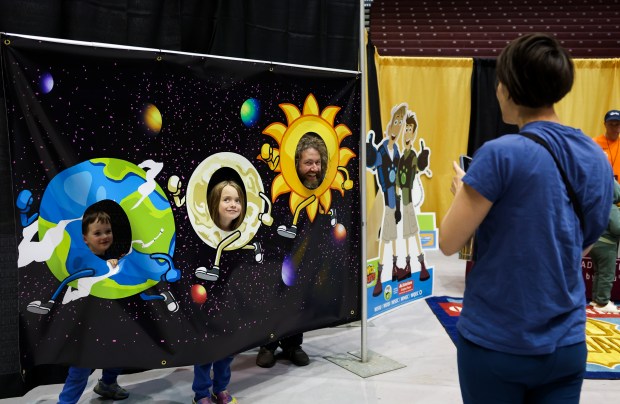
(362, 181)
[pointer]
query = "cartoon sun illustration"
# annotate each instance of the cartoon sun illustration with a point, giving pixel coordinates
(282, 159)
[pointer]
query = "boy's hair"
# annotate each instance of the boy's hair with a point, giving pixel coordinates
(411, 120)
(94, 216)
(214, 203)
(536, 70)
(312, 140)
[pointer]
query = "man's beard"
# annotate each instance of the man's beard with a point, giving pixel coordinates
(311, 184)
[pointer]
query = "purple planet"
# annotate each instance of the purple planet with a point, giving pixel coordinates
(46, 82)
(289, 272)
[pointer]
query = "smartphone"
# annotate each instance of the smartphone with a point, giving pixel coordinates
(464, 161)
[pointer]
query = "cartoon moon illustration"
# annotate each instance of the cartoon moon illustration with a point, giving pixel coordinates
(197, 206)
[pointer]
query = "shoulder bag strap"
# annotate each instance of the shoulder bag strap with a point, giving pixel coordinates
(571, 192)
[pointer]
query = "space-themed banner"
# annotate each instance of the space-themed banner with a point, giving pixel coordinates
(171, 209)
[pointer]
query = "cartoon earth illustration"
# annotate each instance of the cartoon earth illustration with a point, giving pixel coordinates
(152, 225)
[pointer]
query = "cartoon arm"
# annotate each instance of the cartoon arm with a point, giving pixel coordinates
(373, 159)
(174, 186)
(347, 184)
(265, 217)
(153, 166)
(270, 156)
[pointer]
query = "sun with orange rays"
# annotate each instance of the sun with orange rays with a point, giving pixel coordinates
(282, 159)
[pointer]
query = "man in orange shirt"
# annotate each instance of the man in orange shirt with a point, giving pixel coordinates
(609, 140)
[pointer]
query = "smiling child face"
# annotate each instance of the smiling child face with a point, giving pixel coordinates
(230, 207)
(99, 237)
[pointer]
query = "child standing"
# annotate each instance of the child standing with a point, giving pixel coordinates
(97, 233)
(226, 203)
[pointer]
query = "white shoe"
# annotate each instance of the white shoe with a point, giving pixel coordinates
(610, 307)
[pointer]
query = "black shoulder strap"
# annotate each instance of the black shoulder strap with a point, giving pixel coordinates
(571, 192)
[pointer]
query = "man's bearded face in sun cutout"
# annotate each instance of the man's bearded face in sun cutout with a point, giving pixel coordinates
(288, 136)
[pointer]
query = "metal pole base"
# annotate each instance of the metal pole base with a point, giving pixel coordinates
(375, 365)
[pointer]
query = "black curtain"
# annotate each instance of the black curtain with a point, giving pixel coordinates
(321, 33)
(310, 32)
(486, 118)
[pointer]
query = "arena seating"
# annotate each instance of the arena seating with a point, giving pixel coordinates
(481, 28)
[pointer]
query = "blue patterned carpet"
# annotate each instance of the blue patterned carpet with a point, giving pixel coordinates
(602, 335)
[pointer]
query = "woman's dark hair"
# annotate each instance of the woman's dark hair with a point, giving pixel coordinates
(536, 70)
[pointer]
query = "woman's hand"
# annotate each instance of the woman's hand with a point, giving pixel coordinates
(467, 211)
(457, 180)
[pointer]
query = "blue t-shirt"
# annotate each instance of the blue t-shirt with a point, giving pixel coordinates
(525, 293)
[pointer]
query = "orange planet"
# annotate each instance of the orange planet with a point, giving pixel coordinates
(340, 232)
(152, 118)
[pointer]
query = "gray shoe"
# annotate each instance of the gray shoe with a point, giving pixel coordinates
(297, 356)
(265, 358)
(112, 391)
(170, 301)
(40, 308)
(288, 232)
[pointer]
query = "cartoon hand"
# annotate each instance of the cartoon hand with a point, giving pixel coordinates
(346, 184)
(269, 157)
(172, 274)
(24, 203)
(371, 151)
(423, 158)
(265, 218)
(174, 186)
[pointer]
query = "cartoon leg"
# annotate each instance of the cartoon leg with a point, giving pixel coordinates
(265, 215)
(24, 203)
(213, 273)
(291, 232)
(258, 251)
(379, 286)
(171, 304)
(333, 217)
(38, 307)
(424, 274)
(405, 272)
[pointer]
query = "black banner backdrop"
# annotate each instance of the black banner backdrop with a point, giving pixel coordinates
(146, 134)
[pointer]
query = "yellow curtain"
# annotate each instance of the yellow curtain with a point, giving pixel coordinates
(596, 90)
(438, 90)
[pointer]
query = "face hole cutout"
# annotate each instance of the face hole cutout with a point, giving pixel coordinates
(225, 174)
(311, 160)
(121, 228)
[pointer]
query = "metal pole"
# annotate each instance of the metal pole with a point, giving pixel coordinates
(362, 180)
